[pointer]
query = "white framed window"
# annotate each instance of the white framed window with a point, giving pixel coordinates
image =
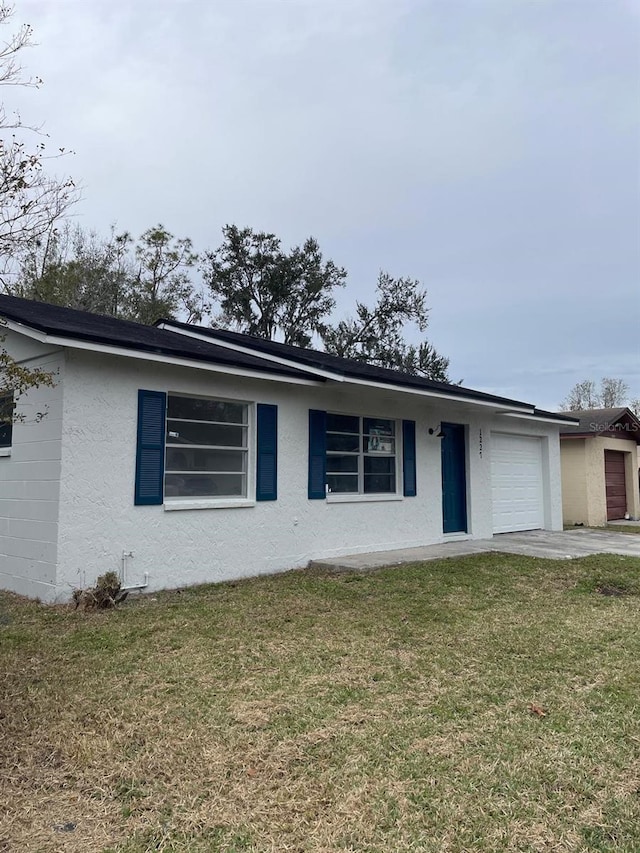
(6, 422)
(206, 448)
(361, 455)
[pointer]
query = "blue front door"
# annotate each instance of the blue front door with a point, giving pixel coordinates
(454, 479)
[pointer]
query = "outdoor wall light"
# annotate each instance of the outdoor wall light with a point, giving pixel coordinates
(439, 434)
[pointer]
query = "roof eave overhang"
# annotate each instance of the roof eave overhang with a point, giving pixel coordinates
(317, 376)
(146, 355)
(440, 395)
(275, 359)
(339, 377)
(533, 416)
(618, 434)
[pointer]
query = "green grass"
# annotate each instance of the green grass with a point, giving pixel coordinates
(624, 528)
(611, 527)
(398, 710)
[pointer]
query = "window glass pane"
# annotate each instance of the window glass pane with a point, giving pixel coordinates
(361, 446)
(6, 418)
(343, 423)
(378, 435)
(207, 410)
(341, 483)
(347, 464)
(379, 464)
(180, 432)
(6, 432)
(346, 443)
(204, 485)
(375, 483)
(379, 426)
(195, 459)
(376, 443)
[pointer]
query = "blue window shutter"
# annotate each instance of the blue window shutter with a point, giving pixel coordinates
(267, 453)
(152, 407)
(317, 454)
(409, 458)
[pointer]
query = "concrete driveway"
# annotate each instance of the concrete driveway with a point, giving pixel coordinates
(562, 545)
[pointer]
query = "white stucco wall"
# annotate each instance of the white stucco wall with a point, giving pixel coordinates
(30, 479)
(98, 520)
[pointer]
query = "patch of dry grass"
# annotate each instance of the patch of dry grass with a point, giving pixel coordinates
(305, 712)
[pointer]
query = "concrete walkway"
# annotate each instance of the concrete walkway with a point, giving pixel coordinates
(562, 545)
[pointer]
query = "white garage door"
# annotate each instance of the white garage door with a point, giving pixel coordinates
(516, 482)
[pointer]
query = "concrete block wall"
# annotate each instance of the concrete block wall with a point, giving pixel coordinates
(30, 480)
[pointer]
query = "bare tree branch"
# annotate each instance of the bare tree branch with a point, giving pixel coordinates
(31, 201)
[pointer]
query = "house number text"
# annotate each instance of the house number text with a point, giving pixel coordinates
(480, 443)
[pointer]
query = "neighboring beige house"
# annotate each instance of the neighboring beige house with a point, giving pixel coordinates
(599, 458)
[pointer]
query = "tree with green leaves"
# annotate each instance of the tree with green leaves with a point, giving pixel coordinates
(78, 269)
(117, 276)
(376, 334)
(262, 290)
(161, 286)
(15, 379)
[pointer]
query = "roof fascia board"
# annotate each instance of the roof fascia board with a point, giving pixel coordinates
(540, 418)
(21, 329)
(72, 343)
(628, 415)
(425, 392)
(276, 359)
(565, 435)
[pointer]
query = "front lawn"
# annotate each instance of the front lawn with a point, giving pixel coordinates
(485, 703)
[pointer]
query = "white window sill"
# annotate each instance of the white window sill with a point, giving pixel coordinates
(5, 451)
(207, 503)
(348, 499)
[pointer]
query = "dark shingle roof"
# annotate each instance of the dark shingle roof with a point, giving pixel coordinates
(345, 367)
(71, 324)
(599, 421)
(83, 326)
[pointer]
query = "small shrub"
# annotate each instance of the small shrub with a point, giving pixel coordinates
(106, 593)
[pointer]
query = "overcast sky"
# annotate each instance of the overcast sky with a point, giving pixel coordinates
(489, 148)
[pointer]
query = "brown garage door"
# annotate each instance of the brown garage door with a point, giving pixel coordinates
(615, 484)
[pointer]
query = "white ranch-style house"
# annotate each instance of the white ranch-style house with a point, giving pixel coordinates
(180, 454)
